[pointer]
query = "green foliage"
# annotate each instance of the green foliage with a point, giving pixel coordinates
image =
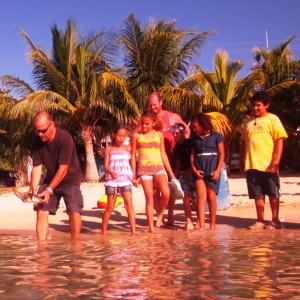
(80, 83)
(157, 58)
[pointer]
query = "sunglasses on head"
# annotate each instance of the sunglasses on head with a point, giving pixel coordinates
(179, 127)
(42, 131)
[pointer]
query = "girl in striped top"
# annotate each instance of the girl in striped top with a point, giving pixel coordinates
(118, 177)
(152, 167)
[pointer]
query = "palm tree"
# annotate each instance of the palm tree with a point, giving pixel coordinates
(13, 138)
(78, 84)
(157, 58)
(224, 96)
(279, 78)
(222, 90)
(275, 63)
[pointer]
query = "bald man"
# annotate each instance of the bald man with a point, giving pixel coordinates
(54, 149)
(155, 104)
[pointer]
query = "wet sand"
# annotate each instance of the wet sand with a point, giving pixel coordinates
(19, 218)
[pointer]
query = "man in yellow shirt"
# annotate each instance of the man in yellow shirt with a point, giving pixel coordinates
(261, 150)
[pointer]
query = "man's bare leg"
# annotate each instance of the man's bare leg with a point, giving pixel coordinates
(42, 225)
(75, 224)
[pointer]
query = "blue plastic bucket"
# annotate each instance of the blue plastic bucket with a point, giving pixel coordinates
(223, 198)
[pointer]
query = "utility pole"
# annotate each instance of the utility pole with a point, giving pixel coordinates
(267, 40)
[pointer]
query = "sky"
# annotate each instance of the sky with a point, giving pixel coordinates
(240, 25)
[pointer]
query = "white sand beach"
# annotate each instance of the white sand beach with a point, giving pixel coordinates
(18, 217)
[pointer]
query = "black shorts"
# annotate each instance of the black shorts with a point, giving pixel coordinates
(261, 183)
(72, 196)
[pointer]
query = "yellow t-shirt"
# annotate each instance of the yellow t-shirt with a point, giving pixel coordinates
(259, 135)
(149, 156)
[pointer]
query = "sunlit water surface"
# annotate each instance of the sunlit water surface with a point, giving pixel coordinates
(225, 264)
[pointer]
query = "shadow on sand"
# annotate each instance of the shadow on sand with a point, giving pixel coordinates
(91, 221)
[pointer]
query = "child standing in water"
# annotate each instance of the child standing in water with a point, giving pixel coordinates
(118, 177)
(183, 170)
(207, 157)
(153, 166)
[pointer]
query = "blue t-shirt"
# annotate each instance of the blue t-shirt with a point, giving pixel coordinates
(206, 144)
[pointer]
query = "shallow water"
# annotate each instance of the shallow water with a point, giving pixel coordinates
(225, 264)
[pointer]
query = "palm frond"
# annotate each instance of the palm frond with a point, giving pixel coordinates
(191, 48)
(45, 74)
(131, 38)
(181, 100)
(158, 54)
(37, 101)
(276, 62)
(124, 106)
(282, 87)
(16, 86)
(27, 38)
(221, 123)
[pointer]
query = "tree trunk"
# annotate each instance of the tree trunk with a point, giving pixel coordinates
(91, 171)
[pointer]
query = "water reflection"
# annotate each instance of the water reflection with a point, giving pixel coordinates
(223, 264)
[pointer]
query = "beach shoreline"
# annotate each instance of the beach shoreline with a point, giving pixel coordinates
(19, 218)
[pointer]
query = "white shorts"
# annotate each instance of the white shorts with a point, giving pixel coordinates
(150, 177)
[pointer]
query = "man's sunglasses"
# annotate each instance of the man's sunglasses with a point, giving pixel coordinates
(42, 131)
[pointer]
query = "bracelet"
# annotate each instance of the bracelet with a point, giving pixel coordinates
(49, 190)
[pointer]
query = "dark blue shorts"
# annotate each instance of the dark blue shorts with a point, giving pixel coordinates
(261, 184)
(187, 184)
(72, 196)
